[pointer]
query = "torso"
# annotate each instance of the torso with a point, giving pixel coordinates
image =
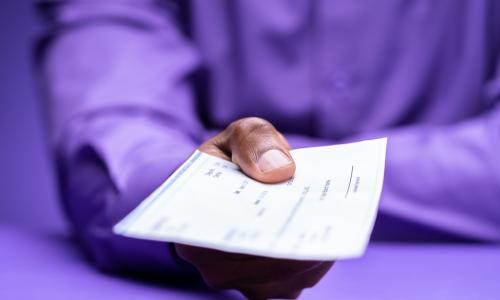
(337, 68)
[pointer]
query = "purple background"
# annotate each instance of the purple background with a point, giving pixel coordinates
(26, 171)
(52, 268)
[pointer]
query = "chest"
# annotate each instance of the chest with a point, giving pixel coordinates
(334, 68)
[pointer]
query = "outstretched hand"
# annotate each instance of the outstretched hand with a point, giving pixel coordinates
(263, 154)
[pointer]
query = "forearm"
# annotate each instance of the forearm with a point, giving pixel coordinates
(440, 182)
(121, 118)
(447, 177)
(101, 185)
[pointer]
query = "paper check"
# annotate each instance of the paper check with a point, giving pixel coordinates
(325, 212)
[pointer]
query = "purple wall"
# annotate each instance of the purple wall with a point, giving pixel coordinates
(28, 195)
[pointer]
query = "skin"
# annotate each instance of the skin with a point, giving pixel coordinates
(244, 142)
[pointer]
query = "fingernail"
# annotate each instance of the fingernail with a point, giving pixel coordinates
(273, 159)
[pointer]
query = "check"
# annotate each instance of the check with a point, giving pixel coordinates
(325, 212)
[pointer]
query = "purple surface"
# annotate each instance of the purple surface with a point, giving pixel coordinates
(47, 266)
(415, 271)
(37, 266)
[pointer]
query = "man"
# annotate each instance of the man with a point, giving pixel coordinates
(135, 86)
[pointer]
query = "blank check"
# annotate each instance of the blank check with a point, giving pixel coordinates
(326, 211)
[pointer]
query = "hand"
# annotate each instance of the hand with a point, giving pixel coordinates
(263, 154)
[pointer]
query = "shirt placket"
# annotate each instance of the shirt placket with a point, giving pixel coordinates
(335, 55)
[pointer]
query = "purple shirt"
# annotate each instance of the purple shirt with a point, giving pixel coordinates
(135, 86)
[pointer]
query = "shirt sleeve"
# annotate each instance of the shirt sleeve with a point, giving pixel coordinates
(446, 177)
(121, 118)
(442, 181)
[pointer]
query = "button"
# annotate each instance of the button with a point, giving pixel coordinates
(340, 86)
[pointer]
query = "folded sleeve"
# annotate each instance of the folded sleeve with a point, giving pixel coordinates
(121, 117)
(446, 177)
(442, 182)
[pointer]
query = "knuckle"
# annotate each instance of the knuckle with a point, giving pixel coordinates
(245, 126)
(310, 283)
(218, 283)
(185, 252)
(270, 291)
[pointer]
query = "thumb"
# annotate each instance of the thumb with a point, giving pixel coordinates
(257, 148)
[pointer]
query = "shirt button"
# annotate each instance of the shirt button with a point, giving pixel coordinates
(339, 85)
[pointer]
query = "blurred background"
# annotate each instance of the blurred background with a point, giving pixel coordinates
(43, 262)
(26, 171)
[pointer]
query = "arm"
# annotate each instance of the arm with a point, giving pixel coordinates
(447, 177)
(441, 181)
(121, 118)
